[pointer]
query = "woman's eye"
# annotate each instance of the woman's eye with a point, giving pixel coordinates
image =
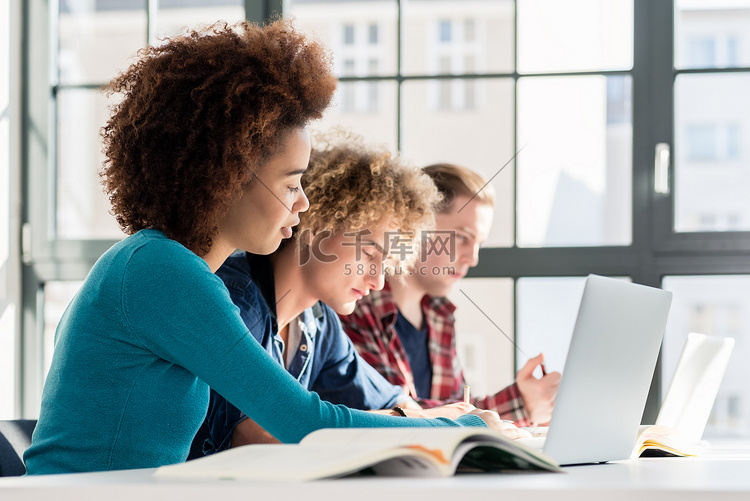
(293, 189)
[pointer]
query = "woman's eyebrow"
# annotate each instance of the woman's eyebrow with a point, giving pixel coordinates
(296, 172)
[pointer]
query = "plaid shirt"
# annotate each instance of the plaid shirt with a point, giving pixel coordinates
(372, 329)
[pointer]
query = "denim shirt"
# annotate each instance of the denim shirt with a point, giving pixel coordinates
(325, 360)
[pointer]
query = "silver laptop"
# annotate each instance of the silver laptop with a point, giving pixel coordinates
(607, 374)
(695, 383)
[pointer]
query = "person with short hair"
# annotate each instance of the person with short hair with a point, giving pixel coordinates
(360, 199)
(406, 330)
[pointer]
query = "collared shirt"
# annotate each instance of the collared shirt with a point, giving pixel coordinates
(323, 360)
(372, 328)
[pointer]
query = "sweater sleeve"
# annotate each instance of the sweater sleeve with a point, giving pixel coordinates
(182, 312)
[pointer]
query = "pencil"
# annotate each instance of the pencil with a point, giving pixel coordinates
(467, 394)
(544, 369)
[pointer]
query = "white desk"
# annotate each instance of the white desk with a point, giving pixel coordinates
(722, 474)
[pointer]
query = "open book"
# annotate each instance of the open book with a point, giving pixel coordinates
(663, 441)
(420, 452)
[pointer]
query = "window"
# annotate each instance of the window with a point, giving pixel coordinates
(557, 103)
(701, 142)
(372, 34)
(734, 141)
(348, 34)
(733, 56)
(445, 30)
(702, 52)
(716, 306)
(67, 225)
(8, 299)
(469, 30)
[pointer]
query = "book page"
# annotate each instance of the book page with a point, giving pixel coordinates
(658, 440)
(446, 445)
(442, 442)
(291, 462)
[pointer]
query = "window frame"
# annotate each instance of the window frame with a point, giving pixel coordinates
(656, 249)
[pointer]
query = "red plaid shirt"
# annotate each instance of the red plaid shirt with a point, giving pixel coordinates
(371, 328)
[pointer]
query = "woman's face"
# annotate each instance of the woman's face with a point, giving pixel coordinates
(271, 202)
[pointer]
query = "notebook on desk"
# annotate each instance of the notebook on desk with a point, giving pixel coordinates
(607, 374)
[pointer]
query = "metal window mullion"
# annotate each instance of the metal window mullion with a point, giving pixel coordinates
(400, 26)
(152, 12)
(514, 142)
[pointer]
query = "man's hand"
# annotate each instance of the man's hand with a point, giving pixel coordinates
(493, 421)
(450, 411)
(538, 394)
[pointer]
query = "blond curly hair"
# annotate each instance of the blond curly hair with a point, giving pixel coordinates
(352, 186)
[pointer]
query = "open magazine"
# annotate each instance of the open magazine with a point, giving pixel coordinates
(418, 452)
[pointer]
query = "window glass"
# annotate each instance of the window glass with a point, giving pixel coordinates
(547, 312)
(575, 161)
(482, 29)
(7, 302)
(353, 31)
(711, 167)
(97, 40)
(367, 108)
(57, 296)
(176, 16)
(575, 35)
(712, 33)
(469, 123)
(82, 206)
(484, 311)
(549, 333)
(716, 306)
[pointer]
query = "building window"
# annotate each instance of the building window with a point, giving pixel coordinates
(701, 143)
(372, 34)
(470, 94)
(348, 34)
(470, 30)
(733, 56)
(445, 31)
(702, 52)
(372, 87)
(733, 142)
(619, 90)
(445, 100)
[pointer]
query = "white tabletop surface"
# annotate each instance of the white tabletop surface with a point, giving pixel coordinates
(723, 473)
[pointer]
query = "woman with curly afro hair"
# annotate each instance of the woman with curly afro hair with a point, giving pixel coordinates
(204, 155)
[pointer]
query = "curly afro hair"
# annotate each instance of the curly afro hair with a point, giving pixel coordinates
(200, 114)
(351, 186)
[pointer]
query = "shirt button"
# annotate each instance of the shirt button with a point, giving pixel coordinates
(303, 347)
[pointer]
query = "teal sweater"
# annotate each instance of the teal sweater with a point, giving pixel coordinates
(136, 351)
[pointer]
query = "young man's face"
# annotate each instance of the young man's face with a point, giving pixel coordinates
(468, 224)
(345, 266)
